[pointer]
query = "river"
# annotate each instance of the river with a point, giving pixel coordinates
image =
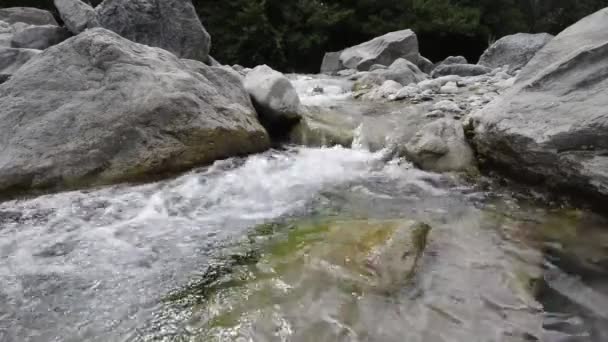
(275, 247)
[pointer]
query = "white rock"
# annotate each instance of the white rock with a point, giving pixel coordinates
(450, 88)
(447, 106)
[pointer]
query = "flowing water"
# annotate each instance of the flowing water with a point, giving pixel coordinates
(303, 244)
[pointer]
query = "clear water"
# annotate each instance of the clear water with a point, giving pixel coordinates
(302, 244)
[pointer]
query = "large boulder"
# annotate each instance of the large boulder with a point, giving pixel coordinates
(274, 97)
(441, 146)
(462, 70)
(425, 65)
(169, 24)
(331, 63)
(401, 71)
(514, 50)
(551, 127)
(77, 15)
(382, 50)
(453, 60)
(99, 108)
(12, 59)
(39, 37)
(27, 15)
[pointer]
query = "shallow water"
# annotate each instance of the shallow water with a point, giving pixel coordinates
(302, 244)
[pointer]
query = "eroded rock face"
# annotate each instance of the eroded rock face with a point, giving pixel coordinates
(441, 146)
(331, 63)
(12, 59)
(39, 37)
(514, 50)
(77, 15)
(27, 15)
(99, 108)
(169, 24)
(274, 96)
(463, 70)
(382, 50)
(551, 127)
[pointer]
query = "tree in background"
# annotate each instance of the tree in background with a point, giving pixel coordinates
(293, 35)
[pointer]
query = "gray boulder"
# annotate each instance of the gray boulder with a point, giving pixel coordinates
(441, 146)
(551, 127)
(39, 37)
(382, 50)
(425, 65)
(99, 108)
(6, 34)
(27, 15)
(462, 70)
(77, 15)
(514, 50)
(331, 63)
(403, 72)
(274, 97)
(169, 24)
(454, 60)
(12, 59)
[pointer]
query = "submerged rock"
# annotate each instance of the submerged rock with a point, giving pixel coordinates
(275, 98)
(77, 15)
(319, 127)
(550, 127)
(27, 15)
(138, 111)
(169, 24)
(515, 50)
(382, 50)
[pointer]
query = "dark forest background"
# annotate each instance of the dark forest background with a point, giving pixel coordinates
(293, 35)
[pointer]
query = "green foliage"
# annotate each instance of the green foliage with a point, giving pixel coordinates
(294, 34)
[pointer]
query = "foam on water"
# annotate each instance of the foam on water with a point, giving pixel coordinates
(96, 257)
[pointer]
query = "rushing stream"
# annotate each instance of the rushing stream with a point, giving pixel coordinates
(302, 244)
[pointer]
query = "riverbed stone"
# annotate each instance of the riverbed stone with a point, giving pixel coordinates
(441, 146)
(514, 50)
(274, 97)
(463, 70)
(331, 63)
(77, 15)
(11, 59)
(169, 24)
(550, 127)
(27, 15)
(139, 111)
(39, 37)
(382, 50)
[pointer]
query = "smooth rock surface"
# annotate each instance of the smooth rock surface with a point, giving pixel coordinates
(382, 50)
(12, 59)
(514, 50)
(99, 108)
(463, 70)
(441, 147)
(77, 15)
(39, 37)
(425, 65)
(551, 127)
(331, 63)
(27, 15)
(169, 24)
(274, 97)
